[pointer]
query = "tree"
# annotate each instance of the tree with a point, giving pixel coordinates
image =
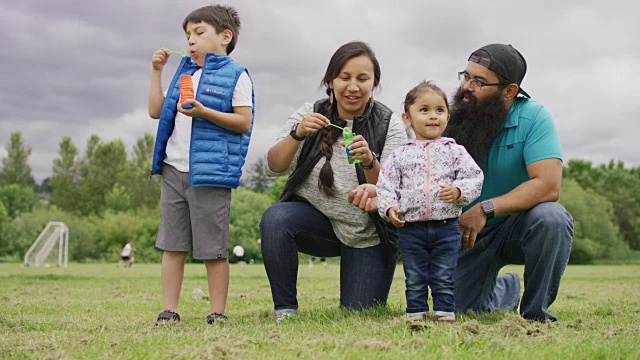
(45, 186)
(65, 176)
(15, 169)
(102, 167)
(275, 190)
(596, 234)
(620, 186)
(18, 199)
(142, 191)
(257, 179)
(4, 214)
(247, 207)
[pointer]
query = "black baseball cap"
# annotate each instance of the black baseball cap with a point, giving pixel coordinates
(505, 61)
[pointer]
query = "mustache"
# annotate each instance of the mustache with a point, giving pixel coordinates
(460, 94)
(471, 97)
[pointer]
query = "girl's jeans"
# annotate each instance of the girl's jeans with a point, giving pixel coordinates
(429, 254)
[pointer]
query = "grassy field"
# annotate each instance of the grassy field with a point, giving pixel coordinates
(100, 311)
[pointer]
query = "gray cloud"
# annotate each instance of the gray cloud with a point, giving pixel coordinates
(76, 68)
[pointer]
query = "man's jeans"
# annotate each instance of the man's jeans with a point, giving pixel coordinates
(429, 254)
(539, 238)
(289, 227)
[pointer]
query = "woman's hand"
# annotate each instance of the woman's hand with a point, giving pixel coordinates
(364, 196)
(360, 149)
(311, 123)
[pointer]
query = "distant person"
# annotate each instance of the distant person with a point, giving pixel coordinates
(421, 189)
(200, 149)
(314, 216)
(323, 261)
(238, 252)
(516, 219)
(126, 255)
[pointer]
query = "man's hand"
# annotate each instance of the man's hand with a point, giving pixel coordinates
(471, 222)
(364, 196)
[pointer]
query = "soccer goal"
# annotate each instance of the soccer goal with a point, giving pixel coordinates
(51, 246)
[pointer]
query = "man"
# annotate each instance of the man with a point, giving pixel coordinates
(516, 220)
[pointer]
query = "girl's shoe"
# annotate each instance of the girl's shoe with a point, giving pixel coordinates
(445, 318)
(417, 316)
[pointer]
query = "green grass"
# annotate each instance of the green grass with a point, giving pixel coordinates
(99, 311)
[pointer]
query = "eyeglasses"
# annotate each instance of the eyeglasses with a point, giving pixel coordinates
(476, 83)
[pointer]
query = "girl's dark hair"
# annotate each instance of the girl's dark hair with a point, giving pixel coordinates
(419, 89)
(221, 17)
(328, 137)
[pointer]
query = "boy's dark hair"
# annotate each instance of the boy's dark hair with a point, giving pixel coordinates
(421, 88)
(221, 17)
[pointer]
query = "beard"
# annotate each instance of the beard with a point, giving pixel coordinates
(476, 124)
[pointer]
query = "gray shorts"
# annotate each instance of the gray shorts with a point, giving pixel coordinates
(193, 218)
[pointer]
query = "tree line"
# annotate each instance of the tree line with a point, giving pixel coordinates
(107, 197)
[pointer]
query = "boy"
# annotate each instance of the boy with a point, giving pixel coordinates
(200, 152)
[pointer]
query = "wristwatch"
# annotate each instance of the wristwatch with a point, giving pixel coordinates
(293, 133)
(488, 208)
(373, 162)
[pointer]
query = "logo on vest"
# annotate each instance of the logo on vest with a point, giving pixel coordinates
(214, 91)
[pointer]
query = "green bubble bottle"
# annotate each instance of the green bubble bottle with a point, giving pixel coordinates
(348, 136)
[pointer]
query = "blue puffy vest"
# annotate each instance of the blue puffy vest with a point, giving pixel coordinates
(217, 154)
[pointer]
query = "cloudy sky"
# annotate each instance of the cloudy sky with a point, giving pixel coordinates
(76, 68)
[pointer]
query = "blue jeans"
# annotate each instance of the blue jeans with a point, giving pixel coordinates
(289, 227)
(539, 238)
(429, 255)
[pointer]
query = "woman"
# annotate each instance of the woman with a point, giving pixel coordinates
(314, 215)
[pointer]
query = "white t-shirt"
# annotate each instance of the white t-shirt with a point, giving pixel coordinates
(126, 251)
(238, 251)
(178, 146)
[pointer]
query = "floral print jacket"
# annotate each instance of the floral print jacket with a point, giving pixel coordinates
(411, 177)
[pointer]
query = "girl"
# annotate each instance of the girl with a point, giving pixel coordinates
(421, 189)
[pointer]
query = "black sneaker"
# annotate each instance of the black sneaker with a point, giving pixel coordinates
(213, 317)
(167, 316)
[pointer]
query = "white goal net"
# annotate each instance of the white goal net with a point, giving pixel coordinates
(51, 247)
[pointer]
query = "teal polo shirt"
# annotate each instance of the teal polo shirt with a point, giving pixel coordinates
(529, 135)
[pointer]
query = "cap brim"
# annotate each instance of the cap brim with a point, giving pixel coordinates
(524, 93)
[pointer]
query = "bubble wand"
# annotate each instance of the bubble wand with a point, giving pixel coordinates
(181, 52)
